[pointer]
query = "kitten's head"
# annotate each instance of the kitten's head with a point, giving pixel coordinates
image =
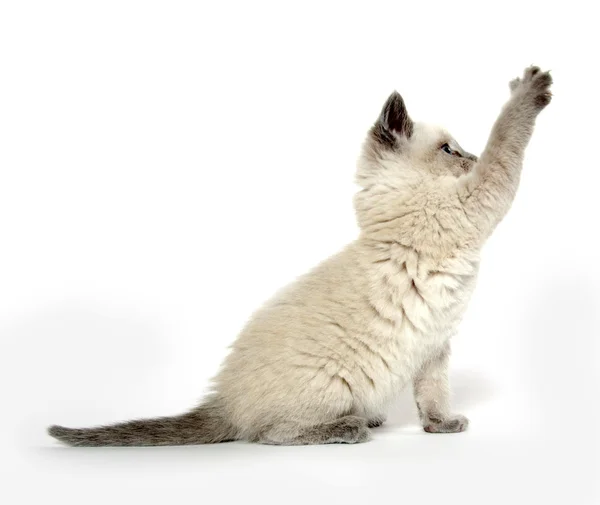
(398, 148)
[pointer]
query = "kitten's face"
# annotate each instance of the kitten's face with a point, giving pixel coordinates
(433, 149)
(396, 145)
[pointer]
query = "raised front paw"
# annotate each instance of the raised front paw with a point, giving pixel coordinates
(454, 424)
(534, 86)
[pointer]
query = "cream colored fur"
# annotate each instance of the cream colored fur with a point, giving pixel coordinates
(327, 356)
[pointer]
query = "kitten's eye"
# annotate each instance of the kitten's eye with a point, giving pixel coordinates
(447, 149)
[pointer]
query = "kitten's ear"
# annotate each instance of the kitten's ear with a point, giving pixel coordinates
(393, 122)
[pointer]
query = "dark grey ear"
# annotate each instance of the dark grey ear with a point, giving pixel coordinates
(393, 122)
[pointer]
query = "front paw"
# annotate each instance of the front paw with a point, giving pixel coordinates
(534, 87)
(454, 424)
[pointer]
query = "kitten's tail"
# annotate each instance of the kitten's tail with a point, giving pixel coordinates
(204, 425)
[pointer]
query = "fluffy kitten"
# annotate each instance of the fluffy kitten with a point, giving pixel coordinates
(323, 360)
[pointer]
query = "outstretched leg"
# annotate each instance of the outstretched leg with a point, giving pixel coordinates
(488, 191)
(345, 430)
(432, 396)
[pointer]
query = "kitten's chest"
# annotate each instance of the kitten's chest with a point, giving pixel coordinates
(421, 299)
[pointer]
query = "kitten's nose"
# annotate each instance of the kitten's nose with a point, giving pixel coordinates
(471, 157)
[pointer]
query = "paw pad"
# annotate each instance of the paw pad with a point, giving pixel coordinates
(533, 86)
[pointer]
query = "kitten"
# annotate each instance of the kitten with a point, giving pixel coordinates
(322, 361)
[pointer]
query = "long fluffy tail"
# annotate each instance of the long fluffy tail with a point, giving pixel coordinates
(204, 425)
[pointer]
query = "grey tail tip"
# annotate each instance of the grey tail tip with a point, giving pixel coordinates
(58, 432)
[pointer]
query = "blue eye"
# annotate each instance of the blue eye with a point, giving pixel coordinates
(447, 149)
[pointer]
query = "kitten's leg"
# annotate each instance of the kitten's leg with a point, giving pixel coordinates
(345, 430)
(488, 191)
(432, 397)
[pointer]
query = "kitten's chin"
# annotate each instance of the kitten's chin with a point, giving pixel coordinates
(460, 171)
(467, 166)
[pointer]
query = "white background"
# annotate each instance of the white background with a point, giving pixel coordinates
(166, 166)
